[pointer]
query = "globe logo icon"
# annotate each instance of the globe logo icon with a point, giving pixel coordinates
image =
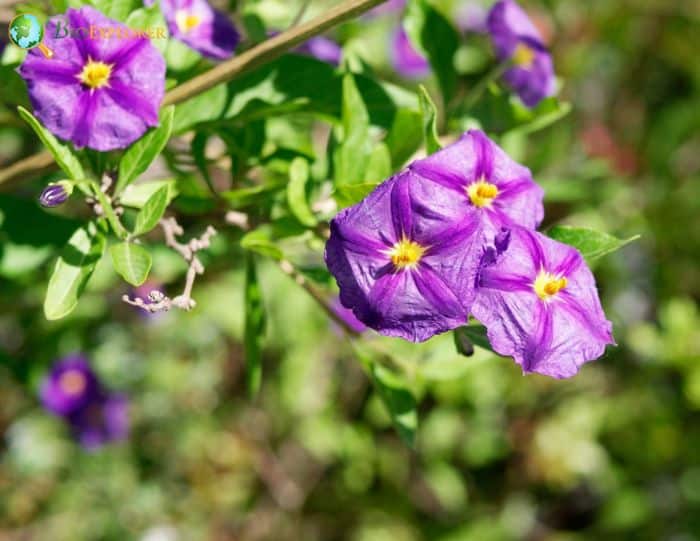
(26, 32)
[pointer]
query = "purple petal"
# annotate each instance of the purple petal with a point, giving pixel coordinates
(406, 60)
(483, 147)
(401, 208)
(438, 293)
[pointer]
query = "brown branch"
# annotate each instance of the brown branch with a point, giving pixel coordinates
(246, 61)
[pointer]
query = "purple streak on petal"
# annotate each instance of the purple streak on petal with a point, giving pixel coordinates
(569, 264)
(135, 103)
(59, 73)
(540, 340)
(503, 281)
(446, 240)
(438, 293)
(357, 242)
(381, 296)
(86, 112)
(401, 213)
(595, 328)
(484, 152)
(126, 54)
(77, 19)
(534, 249)
(323, 48)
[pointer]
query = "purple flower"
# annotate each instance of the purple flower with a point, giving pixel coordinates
(70, 386)
(487, 184)
(471, 17)
(539, 303)
(406, 60)
(403, 267)
(322, 48)
(102, 421)
(56, 194)
(201, 27)
(516, 39)
(97, 91)
(347, 316)
(391, 6)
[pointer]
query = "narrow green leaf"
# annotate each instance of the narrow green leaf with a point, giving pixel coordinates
(405, 136)
(592, 244)
(199, 146)
(423, 24)
(430, 133)
(64, 156)
(378, 164)
(73, 270)
(260, 240)
(350, 157)
(131, 261)
(152, 211)
(349, 194)
(296, 192)
(399, 400)
(254, 327)
(140, 155)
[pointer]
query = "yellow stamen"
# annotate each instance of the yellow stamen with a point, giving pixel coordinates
(406, 254)
(481, 193)
(523, 55)
(95, 74)
(186, 21)
(547, 285)
(72, 382)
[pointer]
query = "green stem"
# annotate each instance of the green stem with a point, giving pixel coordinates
(119, 230)
(475, 93)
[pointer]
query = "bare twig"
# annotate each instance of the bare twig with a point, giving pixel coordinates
(157, 301)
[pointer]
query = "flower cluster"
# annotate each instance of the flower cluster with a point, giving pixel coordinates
(454, 234)
(72, 391)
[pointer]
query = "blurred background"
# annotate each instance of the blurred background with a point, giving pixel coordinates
(613, 453)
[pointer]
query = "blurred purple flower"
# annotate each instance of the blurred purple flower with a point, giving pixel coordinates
(322, 48)
(56, 194)
(104, 420)
(100, 93)
(70, 386)
(406, 60)
(517, 40)
(201, 27)
(539, 303)
(403, 267)
(388, 7)
(150, 292)
(347, 316)
(492, 189)
(471, 17)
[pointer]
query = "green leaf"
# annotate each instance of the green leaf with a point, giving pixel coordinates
(350, 158)
(296, 192)
(398, 399)
(405, 136)
(64, 156)
(116, 9)
(592, 244)
(136, 195)
(139, 156)
(378, 164)
(433, 35)
(152, 211)
(430, 133)
(73, 270)
(260, 240)
(349, 194)
(254, 327)
(131, 261)
(199, 145)
(476, 334)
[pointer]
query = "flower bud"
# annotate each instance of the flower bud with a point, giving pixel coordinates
(56, 194)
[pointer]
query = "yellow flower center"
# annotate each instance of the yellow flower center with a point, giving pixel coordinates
(481, 193)
(95, 74)
(186, 21)
(547, 285)
(523, 55)
(72, 382)
(406, 254)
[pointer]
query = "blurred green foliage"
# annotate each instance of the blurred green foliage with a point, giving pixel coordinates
(609, 454)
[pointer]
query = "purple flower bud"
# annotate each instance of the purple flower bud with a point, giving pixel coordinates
(104, 420)
(406, 60)
(56, 194)
(322, 48)
(70, 386)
